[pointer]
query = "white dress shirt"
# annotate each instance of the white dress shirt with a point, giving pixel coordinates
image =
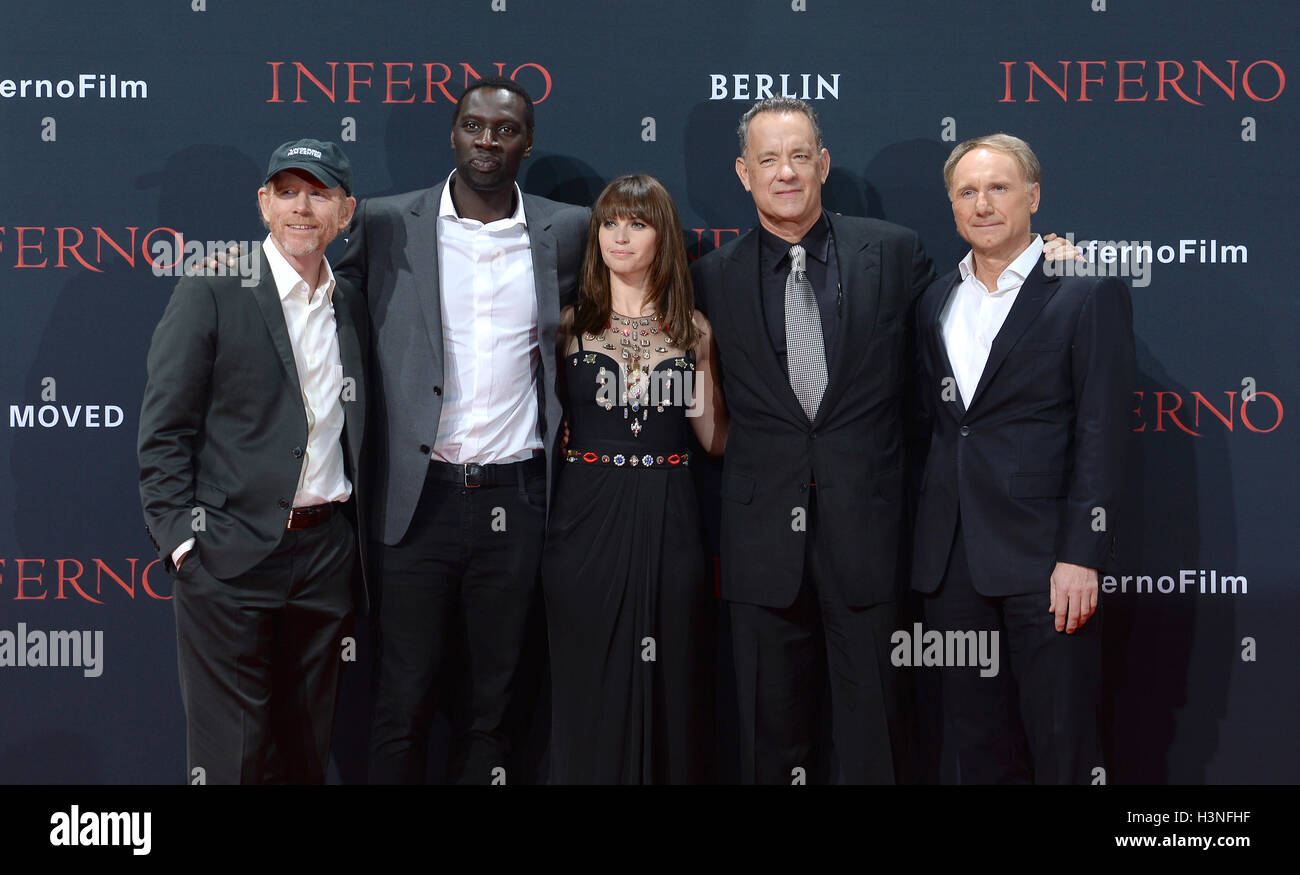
(974, 315)
(489, 330)
(309, 316)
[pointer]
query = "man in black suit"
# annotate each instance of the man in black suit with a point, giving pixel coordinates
(811, 341)
(464, 282)
(1028, 377)
(250, 440)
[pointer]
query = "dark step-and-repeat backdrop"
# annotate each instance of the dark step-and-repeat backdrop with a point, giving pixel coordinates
(135, 136)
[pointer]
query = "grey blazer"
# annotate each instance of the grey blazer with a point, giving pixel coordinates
(392, 256)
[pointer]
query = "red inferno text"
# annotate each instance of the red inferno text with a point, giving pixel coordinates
(43, 579)
(36, 246)
(1138, 81)
(393, 81)
(707, 240)
(1195, 413)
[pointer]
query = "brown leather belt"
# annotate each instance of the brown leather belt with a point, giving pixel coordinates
(312, 515)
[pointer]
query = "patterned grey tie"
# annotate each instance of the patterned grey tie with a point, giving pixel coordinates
(805, 351)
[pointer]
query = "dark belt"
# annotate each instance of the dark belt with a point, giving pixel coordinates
(311, 515)
(474, 475)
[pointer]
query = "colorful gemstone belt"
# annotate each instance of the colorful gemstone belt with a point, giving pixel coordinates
(619, 459)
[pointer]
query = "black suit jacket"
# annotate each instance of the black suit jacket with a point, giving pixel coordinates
(392, 256)
(853, 451)
(223, 427)
(1043, 443)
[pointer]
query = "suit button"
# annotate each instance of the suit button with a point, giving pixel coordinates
(965, 430)
(297, 452)
(803, 487)
(282, 504)
(437, 390)
(424, 449)
(814, 435)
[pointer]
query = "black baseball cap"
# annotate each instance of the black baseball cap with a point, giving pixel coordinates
(322, 159)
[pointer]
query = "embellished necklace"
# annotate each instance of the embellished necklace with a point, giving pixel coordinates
(635, 340)
(636, 335)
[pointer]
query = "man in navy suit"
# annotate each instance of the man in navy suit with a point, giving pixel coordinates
(1027, 377)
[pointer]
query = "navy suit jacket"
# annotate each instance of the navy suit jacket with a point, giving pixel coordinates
(1037, 464)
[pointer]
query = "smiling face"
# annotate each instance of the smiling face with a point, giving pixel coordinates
(784, 170)
(628, 247)
(490, 138)
(992, 203)
(303, 215)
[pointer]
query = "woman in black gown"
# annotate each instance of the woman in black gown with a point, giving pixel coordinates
(628, 596)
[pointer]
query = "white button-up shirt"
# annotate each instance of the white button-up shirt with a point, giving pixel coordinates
(309, 316)
(974, 315)
(489, 331)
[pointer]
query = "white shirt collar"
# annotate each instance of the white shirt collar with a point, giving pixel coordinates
(448, 209)
(1021, 265)
(287, 279)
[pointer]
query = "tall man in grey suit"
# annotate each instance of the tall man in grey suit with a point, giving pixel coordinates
(811, 311)
(464, 283)
(250, 442)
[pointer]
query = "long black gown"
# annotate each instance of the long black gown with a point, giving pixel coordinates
(628, 600)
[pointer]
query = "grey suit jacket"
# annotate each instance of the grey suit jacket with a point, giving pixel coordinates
(392, 255)
(223, 427)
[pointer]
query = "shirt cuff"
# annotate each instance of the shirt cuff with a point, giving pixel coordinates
(179, 553)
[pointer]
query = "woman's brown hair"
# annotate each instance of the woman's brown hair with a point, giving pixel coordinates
(671, 295)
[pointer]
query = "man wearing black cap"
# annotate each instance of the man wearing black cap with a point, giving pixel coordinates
(250, 437)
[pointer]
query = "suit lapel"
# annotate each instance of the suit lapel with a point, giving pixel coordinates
(422, 232)
(745, 299)
(1034, 294)
(354, 402)
(859, 269)
(546, 288)
(546, 283)
(268, 301)
(939, 350)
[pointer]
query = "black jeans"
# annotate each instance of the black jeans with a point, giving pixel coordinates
(464, 577)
